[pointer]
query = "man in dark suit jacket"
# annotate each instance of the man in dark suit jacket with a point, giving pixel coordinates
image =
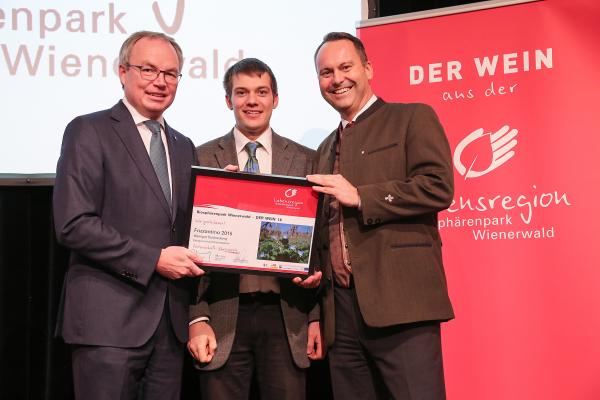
(260, 323)
(120, 205)
(387, 171)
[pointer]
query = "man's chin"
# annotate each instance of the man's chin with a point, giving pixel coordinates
(339, 107)
(157, 106)
(336, 102)
(255, 126)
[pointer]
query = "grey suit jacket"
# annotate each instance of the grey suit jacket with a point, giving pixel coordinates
(398, 157)
(109, 209)
(218, 293)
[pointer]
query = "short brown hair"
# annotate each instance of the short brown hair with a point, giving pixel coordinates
(248, 66)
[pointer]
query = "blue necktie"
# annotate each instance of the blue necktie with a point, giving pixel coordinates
(252, 163)
(158, 157)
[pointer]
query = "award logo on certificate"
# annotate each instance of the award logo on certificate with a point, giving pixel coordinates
(252, 223)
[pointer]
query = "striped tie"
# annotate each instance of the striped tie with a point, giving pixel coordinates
(158, 157)
(252, 163)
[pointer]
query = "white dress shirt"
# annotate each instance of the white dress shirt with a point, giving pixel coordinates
(147, 135)
(372, 100)
(264, 155)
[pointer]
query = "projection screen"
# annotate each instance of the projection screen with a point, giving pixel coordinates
(58, 60)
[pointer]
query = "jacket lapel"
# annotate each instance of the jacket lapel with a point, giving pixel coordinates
(281, 157)
(332, 139)
(369, 111)
(176, 167)
(226, 154)
(127, 131)
(329, 151)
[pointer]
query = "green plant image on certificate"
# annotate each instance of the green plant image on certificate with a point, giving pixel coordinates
(284, 242)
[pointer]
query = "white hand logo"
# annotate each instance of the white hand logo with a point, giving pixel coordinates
(502, 143)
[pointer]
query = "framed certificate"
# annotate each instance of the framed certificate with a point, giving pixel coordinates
(252, 223)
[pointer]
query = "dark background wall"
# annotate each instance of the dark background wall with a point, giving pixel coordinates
(386, 8)
(34, 364)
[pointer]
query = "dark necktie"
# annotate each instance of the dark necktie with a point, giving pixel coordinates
(252, 163)
(158, 156)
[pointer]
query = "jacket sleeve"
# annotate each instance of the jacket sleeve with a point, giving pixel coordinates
(428, 186)
(77, 201)
(315, 313)
(199, 307)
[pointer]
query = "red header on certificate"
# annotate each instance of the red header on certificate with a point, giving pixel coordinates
(261, 197)
(252, 223)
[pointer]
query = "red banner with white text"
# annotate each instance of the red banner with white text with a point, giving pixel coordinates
(516, 88)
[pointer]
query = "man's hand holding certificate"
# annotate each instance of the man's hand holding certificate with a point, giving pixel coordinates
(249, 223)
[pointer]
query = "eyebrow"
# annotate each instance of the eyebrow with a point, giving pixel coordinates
(149, 64)
(245, 88)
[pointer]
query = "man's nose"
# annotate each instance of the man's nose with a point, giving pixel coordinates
(160, 79)
(338, 77)
(252, 98)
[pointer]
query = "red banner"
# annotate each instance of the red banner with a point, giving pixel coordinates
(516, 88)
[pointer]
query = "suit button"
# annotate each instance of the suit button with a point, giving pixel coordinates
(173, 229)
(377, 221)
(346, 245)
(370, 221)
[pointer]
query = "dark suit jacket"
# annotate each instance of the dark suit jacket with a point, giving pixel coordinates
(398, 157)
(218, 293)
(109, 209)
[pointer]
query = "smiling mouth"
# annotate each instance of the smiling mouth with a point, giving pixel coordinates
(157, 95)
(340, 90)
(252, 112)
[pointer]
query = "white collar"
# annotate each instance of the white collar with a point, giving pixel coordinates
(139, 118)
(372, 100)
(265, 139)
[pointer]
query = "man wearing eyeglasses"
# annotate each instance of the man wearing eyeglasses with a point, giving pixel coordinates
(120, 206)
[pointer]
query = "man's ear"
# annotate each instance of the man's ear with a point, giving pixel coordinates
(229, 103)
(122, 72)
(369, 69)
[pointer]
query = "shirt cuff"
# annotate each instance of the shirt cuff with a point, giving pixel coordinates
(200, 319)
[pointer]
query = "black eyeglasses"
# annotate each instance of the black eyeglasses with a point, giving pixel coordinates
(150, 73)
